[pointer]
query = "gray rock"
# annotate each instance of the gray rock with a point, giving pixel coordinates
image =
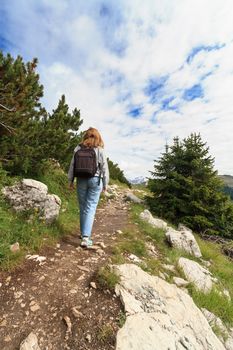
(196, 274)
(31, 194)
(159, 315)
(132, 198)
(30, 343)
(184, 240)
(148, 217)
(180, 282)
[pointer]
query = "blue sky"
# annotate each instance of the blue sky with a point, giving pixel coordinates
(142, 72)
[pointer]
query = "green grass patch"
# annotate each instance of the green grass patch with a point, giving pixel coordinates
(106, 333)
(214, 302)
(132, 244)
(221, 266)
(121, 319)
(107, 278)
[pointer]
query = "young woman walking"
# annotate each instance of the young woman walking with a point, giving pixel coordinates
(92, 178)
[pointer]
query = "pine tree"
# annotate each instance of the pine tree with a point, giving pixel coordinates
(186, 188)
(60, 132)
(116, 173)
(20, 110)
(28, 134)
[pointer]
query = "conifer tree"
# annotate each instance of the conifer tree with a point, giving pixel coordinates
(20, 110)
(186, 188)
(116, 173)
(60, 135)
(28, 134)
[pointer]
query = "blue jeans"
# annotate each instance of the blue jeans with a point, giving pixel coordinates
(88, 191)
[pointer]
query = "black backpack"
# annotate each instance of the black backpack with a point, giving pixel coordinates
(85, 164)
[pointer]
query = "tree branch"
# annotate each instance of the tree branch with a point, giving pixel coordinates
(9, 128)
(7, 109)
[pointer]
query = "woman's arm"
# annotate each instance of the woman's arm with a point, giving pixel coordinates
(105, 170)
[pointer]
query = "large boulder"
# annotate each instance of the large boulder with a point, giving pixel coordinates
(31, 194)
(183, 239)
(197, 274)
(148, 217)
(160, 315)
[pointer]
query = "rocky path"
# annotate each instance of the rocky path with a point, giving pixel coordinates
(48, 297)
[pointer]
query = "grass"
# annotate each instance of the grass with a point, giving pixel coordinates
(105, 333)
(213, 302)
(107, 278)
(132, 244)
(27, 229)
(121, 319)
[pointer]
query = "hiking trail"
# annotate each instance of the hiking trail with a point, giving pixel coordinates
(58, 298)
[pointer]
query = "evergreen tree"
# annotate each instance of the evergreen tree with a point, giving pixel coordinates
(28, 134)
(228, 190)
(186, 188)
(116, 173)
(20, 111)
(59, 130)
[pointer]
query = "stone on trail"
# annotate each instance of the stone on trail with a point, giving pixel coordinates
(30, 343)
(76, 312)
(196, 274)
(69, 326)
(132, 198)
(36, 257)
(148, 217)
(184, 240)
(161, 316)
(119, 232)
(93, 285)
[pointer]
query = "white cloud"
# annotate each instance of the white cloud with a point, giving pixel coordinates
(78, 49)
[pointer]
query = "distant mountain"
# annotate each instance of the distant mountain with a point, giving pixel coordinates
(228, 181)
(140, 180)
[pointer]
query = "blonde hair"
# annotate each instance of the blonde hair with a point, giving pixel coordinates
(92, 138)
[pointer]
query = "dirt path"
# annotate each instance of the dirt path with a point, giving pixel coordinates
(36, 297)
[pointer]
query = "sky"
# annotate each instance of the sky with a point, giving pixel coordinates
(141, 71)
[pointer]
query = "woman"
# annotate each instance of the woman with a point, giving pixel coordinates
(89, 189)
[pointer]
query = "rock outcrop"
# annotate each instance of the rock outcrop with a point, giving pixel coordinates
(31, 194)
(157, 316)
(197, 274)
(148, 217)
(183, 239)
